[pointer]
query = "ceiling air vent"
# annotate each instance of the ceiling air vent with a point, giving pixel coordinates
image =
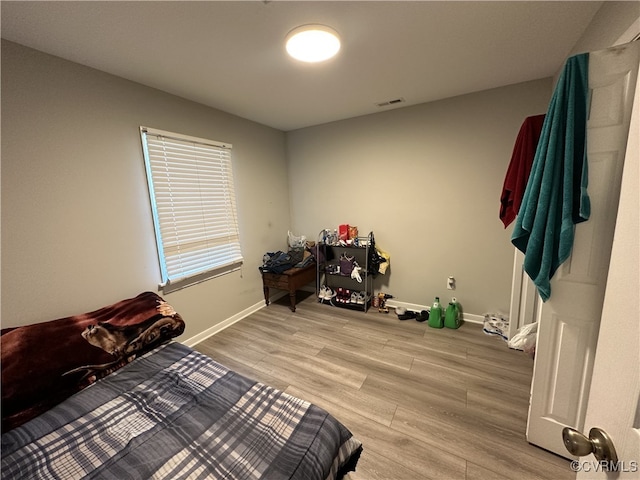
(388, 103)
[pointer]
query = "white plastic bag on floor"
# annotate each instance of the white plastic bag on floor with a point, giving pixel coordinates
(525, 338)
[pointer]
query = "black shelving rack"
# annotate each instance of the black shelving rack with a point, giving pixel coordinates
(329, 276)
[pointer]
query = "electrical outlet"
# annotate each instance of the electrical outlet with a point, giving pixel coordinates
(451, 283)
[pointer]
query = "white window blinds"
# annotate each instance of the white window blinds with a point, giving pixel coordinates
(194, 206)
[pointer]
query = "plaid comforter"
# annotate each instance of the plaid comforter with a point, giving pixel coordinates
(175, 413)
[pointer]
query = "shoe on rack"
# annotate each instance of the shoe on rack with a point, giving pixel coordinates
(354, 298)
(322, 294)
(340, 298)
(326, 293)
(361, 298)
(344, 294)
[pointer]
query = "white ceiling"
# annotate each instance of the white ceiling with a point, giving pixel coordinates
(230, 55)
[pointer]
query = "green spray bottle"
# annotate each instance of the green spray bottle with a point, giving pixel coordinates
(452, 314)
(435, 314)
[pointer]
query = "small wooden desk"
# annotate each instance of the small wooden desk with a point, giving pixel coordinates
(290, 280)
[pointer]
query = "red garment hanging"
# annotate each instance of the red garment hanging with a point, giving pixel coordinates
(515, 180)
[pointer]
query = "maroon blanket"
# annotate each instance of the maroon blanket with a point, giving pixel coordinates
(45, 363)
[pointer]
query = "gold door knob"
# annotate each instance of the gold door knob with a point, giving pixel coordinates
(598, 443)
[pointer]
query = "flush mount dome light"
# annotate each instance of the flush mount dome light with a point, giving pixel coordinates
(312, 43)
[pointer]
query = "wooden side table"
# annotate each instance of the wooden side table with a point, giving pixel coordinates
(290, 280)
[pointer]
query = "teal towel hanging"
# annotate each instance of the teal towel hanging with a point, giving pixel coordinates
(556, 196)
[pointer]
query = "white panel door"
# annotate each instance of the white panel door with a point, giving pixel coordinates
(569, 321)
(615, 387)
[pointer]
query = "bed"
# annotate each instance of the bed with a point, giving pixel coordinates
(129, 402)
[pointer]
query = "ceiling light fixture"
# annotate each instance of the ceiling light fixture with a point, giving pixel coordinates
(312, 43)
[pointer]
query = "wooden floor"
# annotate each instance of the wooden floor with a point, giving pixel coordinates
(425, 403)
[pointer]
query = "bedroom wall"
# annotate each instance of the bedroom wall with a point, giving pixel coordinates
(606, 27)
(77, 230)
(400, 172)
(427, 180)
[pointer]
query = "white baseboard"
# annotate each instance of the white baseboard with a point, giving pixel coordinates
(473, 318)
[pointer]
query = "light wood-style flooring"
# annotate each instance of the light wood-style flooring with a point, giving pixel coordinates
(426, 403)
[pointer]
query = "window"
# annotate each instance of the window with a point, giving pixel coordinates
(194, 206)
